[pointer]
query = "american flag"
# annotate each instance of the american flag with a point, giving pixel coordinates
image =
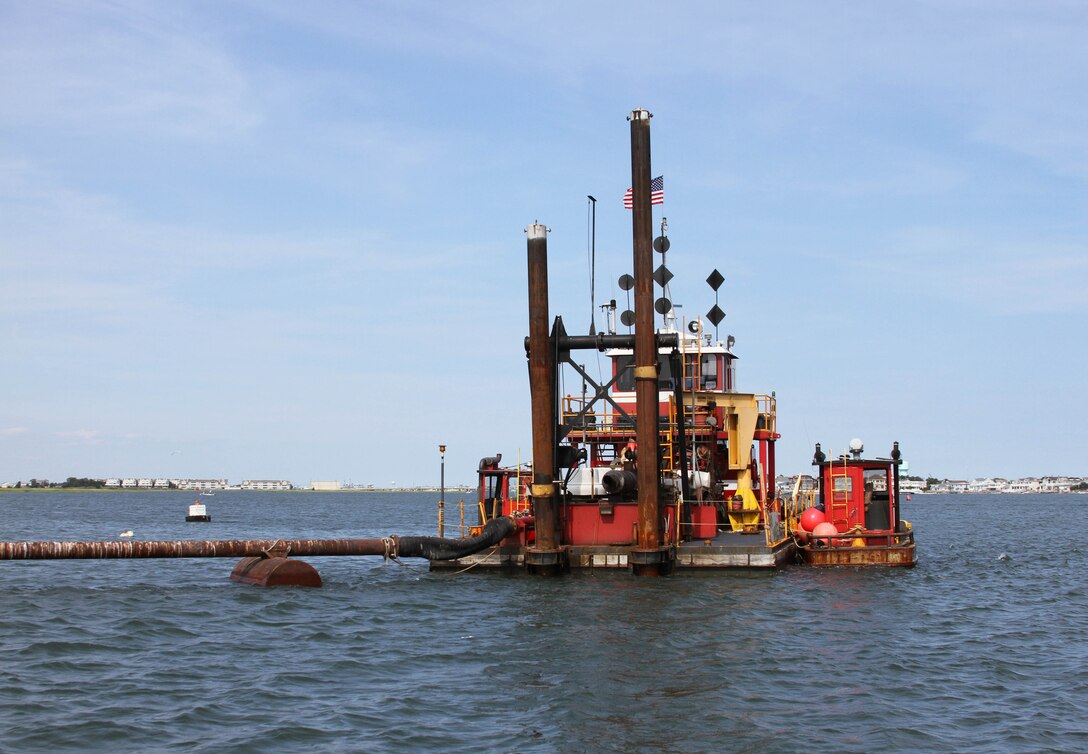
(657, 193)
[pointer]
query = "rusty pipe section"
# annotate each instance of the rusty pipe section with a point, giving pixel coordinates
(432, 548)
(212, 548)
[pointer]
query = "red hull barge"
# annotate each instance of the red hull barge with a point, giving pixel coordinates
(855, 517)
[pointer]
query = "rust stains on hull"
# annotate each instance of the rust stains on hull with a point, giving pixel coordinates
(902, 556)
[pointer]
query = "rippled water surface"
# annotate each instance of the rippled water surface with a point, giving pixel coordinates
(983, 647)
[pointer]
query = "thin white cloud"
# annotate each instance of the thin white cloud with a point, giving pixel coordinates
(129, 66)
(73, 249)
(993, 273)
(82, 436)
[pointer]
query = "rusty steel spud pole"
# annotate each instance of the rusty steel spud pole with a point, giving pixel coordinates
(541, 387)
(646, 433)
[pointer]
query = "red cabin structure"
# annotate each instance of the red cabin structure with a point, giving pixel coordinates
(859, 498)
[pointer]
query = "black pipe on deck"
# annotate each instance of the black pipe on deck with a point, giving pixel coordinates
(617, 481)
(603, 342)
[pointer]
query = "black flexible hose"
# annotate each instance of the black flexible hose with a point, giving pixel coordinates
(440, 548)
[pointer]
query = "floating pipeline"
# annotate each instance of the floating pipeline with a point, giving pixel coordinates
(265, 561)
(431, 548)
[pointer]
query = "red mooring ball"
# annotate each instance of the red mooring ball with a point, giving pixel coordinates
(825, 529)
(812, 518)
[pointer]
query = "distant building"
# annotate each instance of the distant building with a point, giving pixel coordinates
(912, 485)
(1025, 485)
(266, 484)
(113, 482)
(202, 484)
(1057, 484)
(325, 486)
(784, 484)
(988, 485)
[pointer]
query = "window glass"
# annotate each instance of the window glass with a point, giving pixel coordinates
(664, 375)
(626, 381)
(625, 368)
(709, 372)
(876, 480)
(842, 484)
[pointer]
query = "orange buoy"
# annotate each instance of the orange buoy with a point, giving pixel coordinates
(812, 518)
(822, 532)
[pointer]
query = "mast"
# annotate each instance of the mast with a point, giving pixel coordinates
(593, 266)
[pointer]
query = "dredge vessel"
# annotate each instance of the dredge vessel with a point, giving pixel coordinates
(666, 464)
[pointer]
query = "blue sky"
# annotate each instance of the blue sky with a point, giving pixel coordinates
(283, 240)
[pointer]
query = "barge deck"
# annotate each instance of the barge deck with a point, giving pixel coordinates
(727, 550)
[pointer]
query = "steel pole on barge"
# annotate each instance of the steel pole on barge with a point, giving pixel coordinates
(648, 556)
(544, 557)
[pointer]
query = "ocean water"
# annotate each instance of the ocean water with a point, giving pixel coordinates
(983, 647)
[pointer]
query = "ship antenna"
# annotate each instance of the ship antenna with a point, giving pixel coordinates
(592, 264)
(662, 276)
(669, 315)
